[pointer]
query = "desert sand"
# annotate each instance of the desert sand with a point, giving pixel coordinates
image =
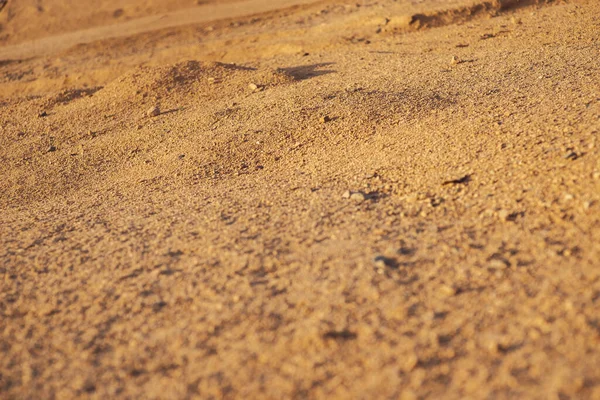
(258, 199)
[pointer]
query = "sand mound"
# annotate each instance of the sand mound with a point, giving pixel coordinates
(190, 79)
(108, 128)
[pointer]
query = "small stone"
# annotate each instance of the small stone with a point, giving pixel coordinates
(153, 111)
(497, 264)
(447, 291)
(324, 119)
(51, 149)
(43, 114)
(382, 262)
(516, 21)
(409, 362)
(358, 197)
(454, 60)
(253, 87)
(596, 175)
(503, 215)
(346, 194)
(490, 343)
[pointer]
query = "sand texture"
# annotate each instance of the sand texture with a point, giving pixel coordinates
(367, 199)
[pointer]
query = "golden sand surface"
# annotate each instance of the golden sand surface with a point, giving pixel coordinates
(254, 199)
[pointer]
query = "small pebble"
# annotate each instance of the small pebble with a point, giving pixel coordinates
(325, 119)
(490, 343)
(454, 60)
(253, 86)
(346, 194)
(497, 264)
(408, 362)
(51, 149)
(358, 197)
(382, 262)
(596, 175)
(153, 111)
(503, 215)
(447, 291)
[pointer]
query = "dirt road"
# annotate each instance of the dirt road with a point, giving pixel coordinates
(372, 199)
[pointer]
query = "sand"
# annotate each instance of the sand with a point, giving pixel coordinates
(333, 199)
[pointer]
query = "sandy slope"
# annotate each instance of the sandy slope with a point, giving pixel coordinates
(382, 199)
(49, 44)
(34, 19)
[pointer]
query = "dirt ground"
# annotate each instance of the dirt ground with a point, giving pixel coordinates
(268, 200)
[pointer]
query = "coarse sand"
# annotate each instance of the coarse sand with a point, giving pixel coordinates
(254, 199)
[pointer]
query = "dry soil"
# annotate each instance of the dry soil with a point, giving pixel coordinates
(332, 199)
